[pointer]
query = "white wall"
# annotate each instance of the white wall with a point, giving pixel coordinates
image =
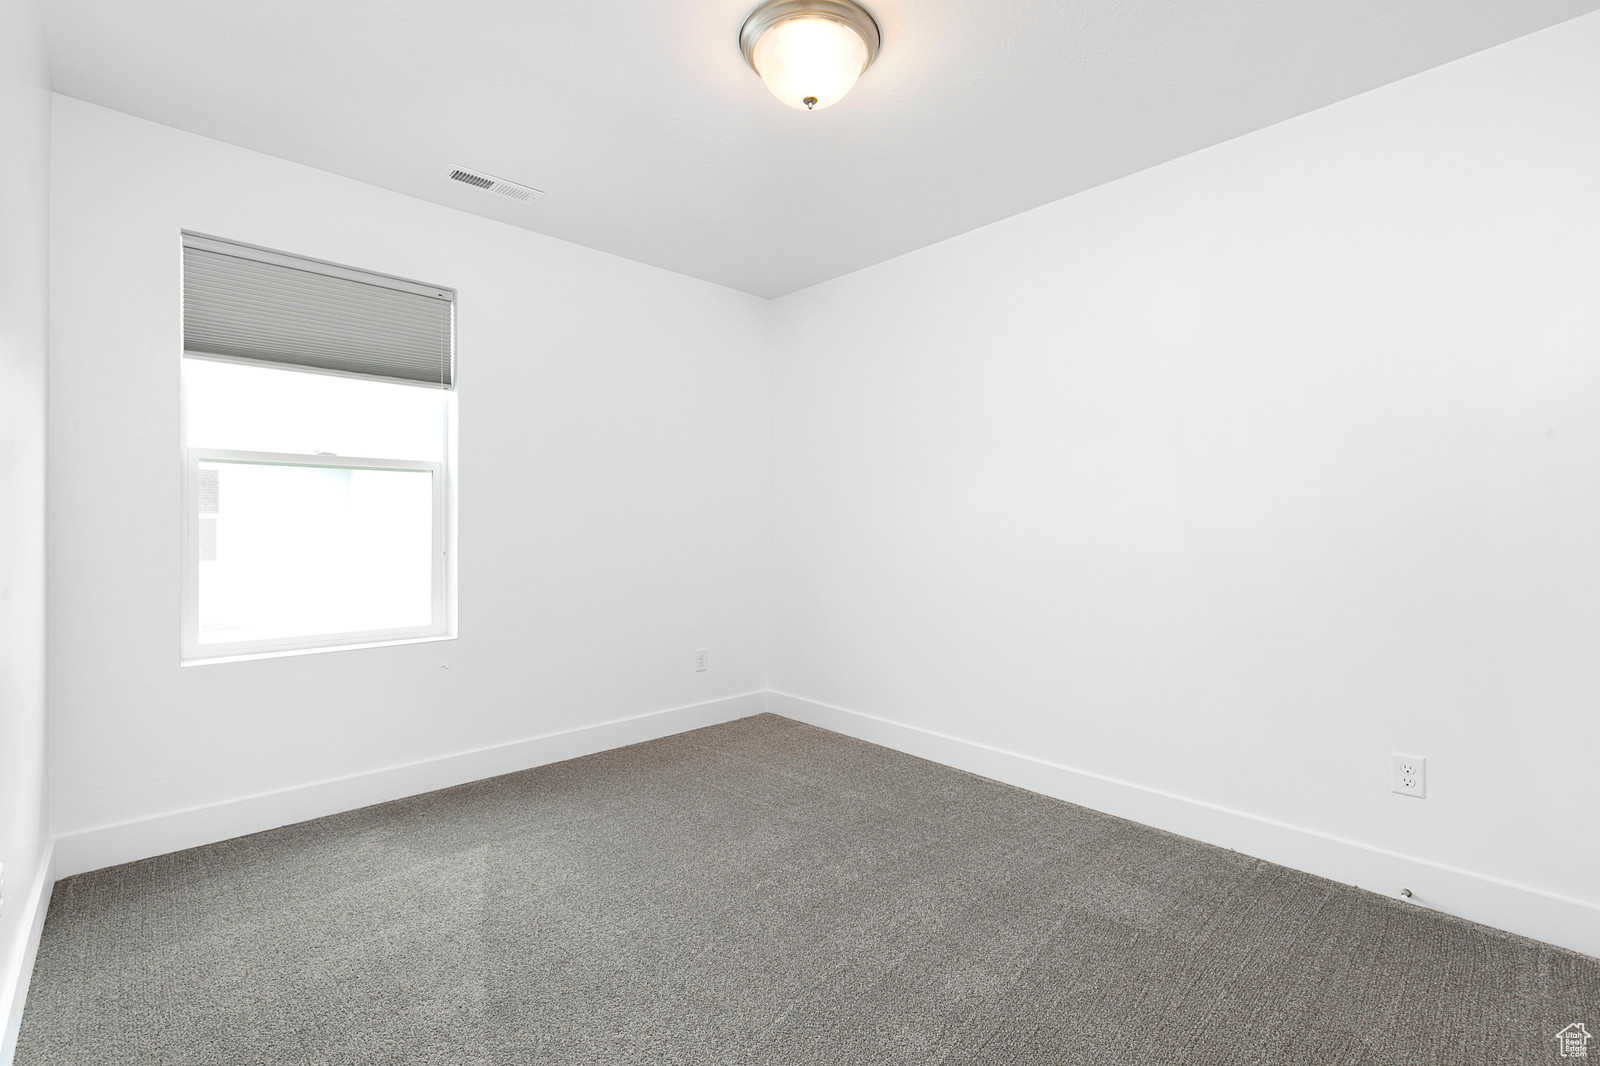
(1229, 478)
(613, 473)
(24, 272)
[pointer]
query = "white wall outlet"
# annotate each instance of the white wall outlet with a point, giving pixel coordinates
(702, 660)
(1409, 775)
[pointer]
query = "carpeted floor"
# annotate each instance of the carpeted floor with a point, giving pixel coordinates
(764, 892)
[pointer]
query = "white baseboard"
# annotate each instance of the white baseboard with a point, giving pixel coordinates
(1520, 909)
(1569, 923)
(18, 969)
(110, 845)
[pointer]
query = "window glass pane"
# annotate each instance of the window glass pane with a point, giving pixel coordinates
(266, 409)
(304, 551)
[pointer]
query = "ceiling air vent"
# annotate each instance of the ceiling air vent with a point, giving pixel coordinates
(489, 183)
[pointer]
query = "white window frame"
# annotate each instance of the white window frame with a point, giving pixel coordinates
(441, 628)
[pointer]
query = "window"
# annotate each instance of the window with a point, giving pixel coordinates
(317, 409)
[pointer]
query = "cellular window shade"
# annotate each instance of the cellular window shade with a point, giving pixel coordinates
(251, 304)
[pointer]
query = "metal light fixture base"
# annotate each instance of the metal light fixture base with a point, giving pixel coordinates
(773, 12)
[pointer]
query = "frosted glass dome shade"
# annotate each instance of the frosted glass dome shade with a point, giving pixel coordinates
(810, 62)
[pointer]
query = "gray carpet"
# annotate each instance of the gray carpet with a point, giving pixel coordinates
(764, 892)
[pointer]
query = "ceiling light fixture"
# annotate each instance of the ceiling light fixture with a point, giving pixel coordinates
(809, 52)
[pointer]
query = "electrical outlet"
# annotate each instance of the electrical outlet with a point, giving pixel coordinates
(702, 661)
(1409, 775)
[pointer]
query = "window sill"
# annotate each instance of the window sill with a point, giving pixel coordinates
(244, 657)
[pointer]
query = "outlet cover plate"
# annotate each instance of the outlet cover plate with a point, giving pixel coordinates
(1409, 775)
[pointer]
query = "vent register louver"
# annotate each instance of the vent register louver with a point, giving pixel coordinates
(489, 183)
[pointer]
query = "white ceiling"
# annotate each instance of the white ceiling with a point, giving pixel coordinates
(653, 140)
